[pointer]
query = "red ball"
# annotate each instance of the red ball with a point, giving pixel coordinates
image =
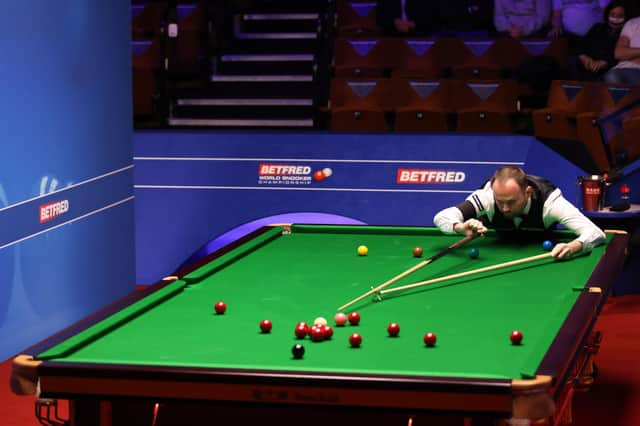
(430, 339)
(354, 318)
(393, 329)
(516, 337)
(220, 308)
(355, 340)
(417, 252)
(265, 326)
(317, 334)
(302, 329)
(328, 331)
(625, 189)
(319, 175)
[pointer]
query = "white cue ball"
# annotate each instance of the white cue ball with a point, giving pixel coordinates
(320, 321)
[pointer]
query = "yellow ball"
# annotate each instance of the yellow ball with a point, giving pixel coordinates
(363, 250)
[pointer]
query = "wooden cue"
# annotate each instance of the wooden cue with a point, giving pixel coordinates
(466, 274)
(410, 270)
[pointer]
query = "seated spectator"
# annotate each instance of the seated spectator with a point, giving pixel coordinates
(473, 17)
(595, 53)
(574, 18)
(405, 17)
(627, 51)
(522, 18)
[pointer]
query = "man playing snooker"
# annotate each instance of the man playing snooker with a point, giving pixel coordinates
(518, 205)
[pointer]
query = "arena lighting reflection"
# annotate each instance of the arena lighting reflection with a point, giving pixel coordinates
(301, 217)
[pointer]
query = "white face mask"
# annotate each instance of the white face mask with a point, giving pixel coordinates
(616, 22)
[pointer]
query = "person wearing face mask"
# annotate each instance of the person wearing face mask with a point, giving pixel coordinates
(595, 52)
(521, 207)
(627, 51)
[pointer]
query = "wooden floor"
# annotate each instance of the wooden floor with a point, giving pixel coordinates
(614, 400)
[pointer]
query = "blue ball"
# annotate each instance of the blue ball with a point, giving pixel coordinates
(474, 253)
(547, 245)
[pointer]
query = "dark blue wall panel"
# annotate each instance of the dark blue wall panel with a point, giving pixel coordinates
(66, 135)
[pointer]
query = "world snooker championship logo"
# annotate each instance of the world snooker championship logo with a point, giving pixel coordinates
(290, 174)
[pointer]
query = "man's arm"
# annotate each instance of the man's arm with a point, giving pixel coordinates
(558, 209)
(462, 219)
(623, 51)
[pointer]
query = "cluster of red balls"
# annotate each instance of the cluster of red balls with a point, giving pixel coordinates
(317, 332)
(320, 331)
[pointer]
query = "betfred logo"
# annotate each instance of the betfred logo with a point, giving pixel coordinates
(283, 170)
(426, 177)
(52, 210)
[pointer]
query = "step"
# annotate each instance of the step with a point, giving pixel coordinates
(262, 112)
(244, 102)
(261, 78)
(267, 57)
(266, 68)
(280, 26)
(293, 46)
(209, 122)
(280, 16)
(287, 6)
(250, 89)
(276, 36)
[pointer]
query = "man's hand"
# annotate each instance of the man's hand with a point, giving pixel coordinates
(599, 65)
(587, 62)
(555, 32)
(566, 250)
(404, 26)
(516, 31)
(470, 227)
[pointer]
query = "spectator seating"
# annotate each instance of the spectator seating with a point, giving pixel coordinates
(607, 99)
(147, 19)
(485, 106)
(421, 105)
(185, 49)
(424, 58)
(566, 100)
(630, 137)
(357, 18)
(362, 57)
(489, 58)
(146, 60)
(359, 104)
(557, 49)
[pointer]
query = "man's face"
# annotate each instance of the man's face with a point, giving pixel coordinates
(510, 198)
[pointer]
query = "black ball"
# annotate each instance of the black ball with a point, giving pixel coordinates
(297, 351)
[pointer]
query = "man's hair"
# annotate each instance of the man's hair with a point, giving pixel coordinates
(504, 174)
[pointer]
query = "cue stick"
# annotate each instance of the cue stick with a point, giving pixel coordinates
(410, 270)
(466, 274)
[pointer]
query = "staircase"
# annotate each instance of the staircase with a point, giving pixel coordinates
(272, 73)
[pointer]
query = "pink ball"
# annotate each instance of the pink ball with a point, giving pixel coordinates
(340, 319)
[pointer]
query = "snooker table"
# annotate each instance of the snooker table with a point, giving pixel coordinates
(166, 343)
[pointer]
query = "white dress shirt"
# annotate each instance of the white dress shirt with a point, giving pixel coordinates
(556, 209)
